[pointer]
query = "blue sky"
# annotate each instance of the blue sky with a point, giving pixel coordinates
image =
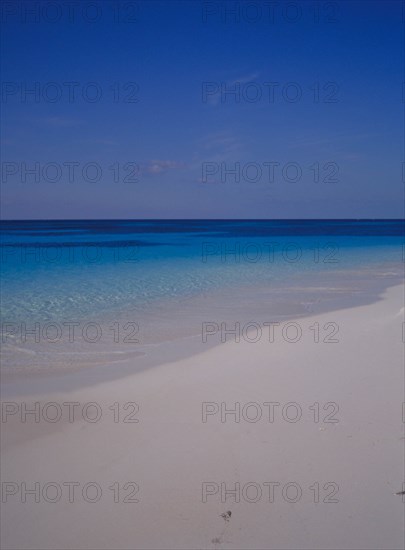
(149, 130)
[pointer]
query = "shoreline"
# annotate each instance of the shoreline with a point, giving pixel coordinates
(124, 360)
(171, 452)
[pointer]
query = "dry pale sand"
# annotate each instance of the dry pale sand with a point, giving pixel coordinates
(171, 453)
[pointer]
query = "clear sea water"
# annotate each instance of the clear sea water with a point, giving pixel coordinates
(170, 276)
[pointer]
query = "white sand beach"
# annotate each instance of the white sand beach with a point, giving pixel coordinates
(343, 470)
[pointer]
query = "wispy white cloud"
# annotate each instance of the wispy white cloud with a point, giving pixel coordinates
(159, 166)
(221, 143)
(214, 97)
(245, 79)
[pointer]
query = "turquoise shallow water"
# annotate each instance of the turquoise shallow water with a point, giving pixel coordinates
(56, 270)
(170, 276)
